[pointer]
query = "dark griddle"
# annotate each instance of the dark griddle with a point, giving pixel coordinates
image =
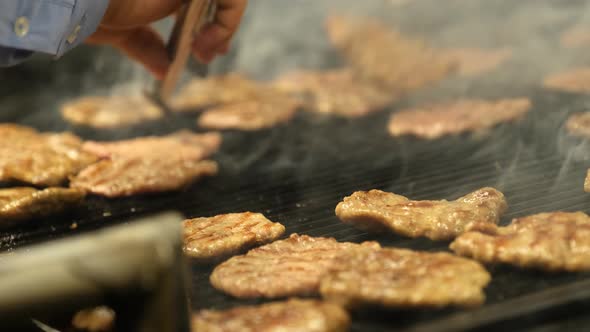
(297, 174)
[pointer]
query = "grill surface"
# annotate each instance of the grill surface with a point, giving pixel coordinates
(296, 174)
(298, 182)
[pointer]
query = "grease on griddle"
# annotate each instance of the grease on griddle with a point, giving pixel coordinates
(379, 211)
(554, 241)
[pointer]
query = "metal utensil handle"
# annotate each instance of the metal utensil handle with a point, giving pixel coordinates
(191, 21)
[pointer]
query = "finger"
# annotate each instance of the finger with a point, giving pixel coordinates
(227, 20)
(145, 46)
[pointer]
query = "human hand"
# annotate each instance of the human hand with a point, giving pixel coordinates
(125, 26)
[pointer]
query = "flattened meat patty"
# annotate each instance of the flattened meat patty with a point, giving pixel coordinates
(576, 37)
(452, 118)
(405, 279)
(215, 238)
(287, 316)
(99, 319)
(574, 80)
(46, 159)
(473, 61)
(378, 53)
(120, 177)
(555, 241)
(184, 144)
(335, 92)
(215, 90)
(578, 124)
(251, 114)
(289, 267)
(377, 210)
(110, 112)
(22, 203)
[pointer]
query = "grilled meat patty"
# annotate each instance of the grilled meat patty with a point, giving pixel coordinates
(99, 319)
(120, 177)
(335, 92)
(378, 211)
(554, 241)
(253, 114)
(380, 54)
(573, 80)
(148, 164)
(216, 90)
(286, 316)
(473, 61)
(40, 159)
(578, 124)
(451, 118)
(185, 145)
(402, 278)
(215, 238)
(576, 36)
(22, 203)
(110, 112)
(289, 267)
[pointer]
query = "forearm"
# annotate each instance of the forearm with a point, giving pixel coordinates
(47, 26)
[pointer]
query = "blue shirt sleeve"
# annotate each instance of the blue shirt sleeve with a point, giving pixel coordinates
(47, 26)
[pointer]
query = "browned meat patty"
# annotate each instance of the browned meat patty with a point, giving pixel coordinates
(378, 53)
(110, 112)
(216, 90)
(294, 315)
(473, 61)
(452, 118)
(405, 279)
(99, 319)
(576, 37)
(251, 114)
(555, 241)
(289, 267)
(335, 92)
(22, 203)
(46, 159)
(574, 80)
(578, 124)
(376, 211)
(184, 144)
(587, 182)
(216, 238)
(120, 177)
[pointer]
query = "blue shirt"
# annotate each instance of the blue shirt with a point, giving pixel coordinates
(47, 26)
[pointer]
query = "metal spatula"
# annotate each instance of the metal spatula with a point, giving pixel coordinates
(191, 18)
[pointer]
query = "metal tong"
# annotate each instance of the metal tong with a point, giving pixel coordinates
(191, 19)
